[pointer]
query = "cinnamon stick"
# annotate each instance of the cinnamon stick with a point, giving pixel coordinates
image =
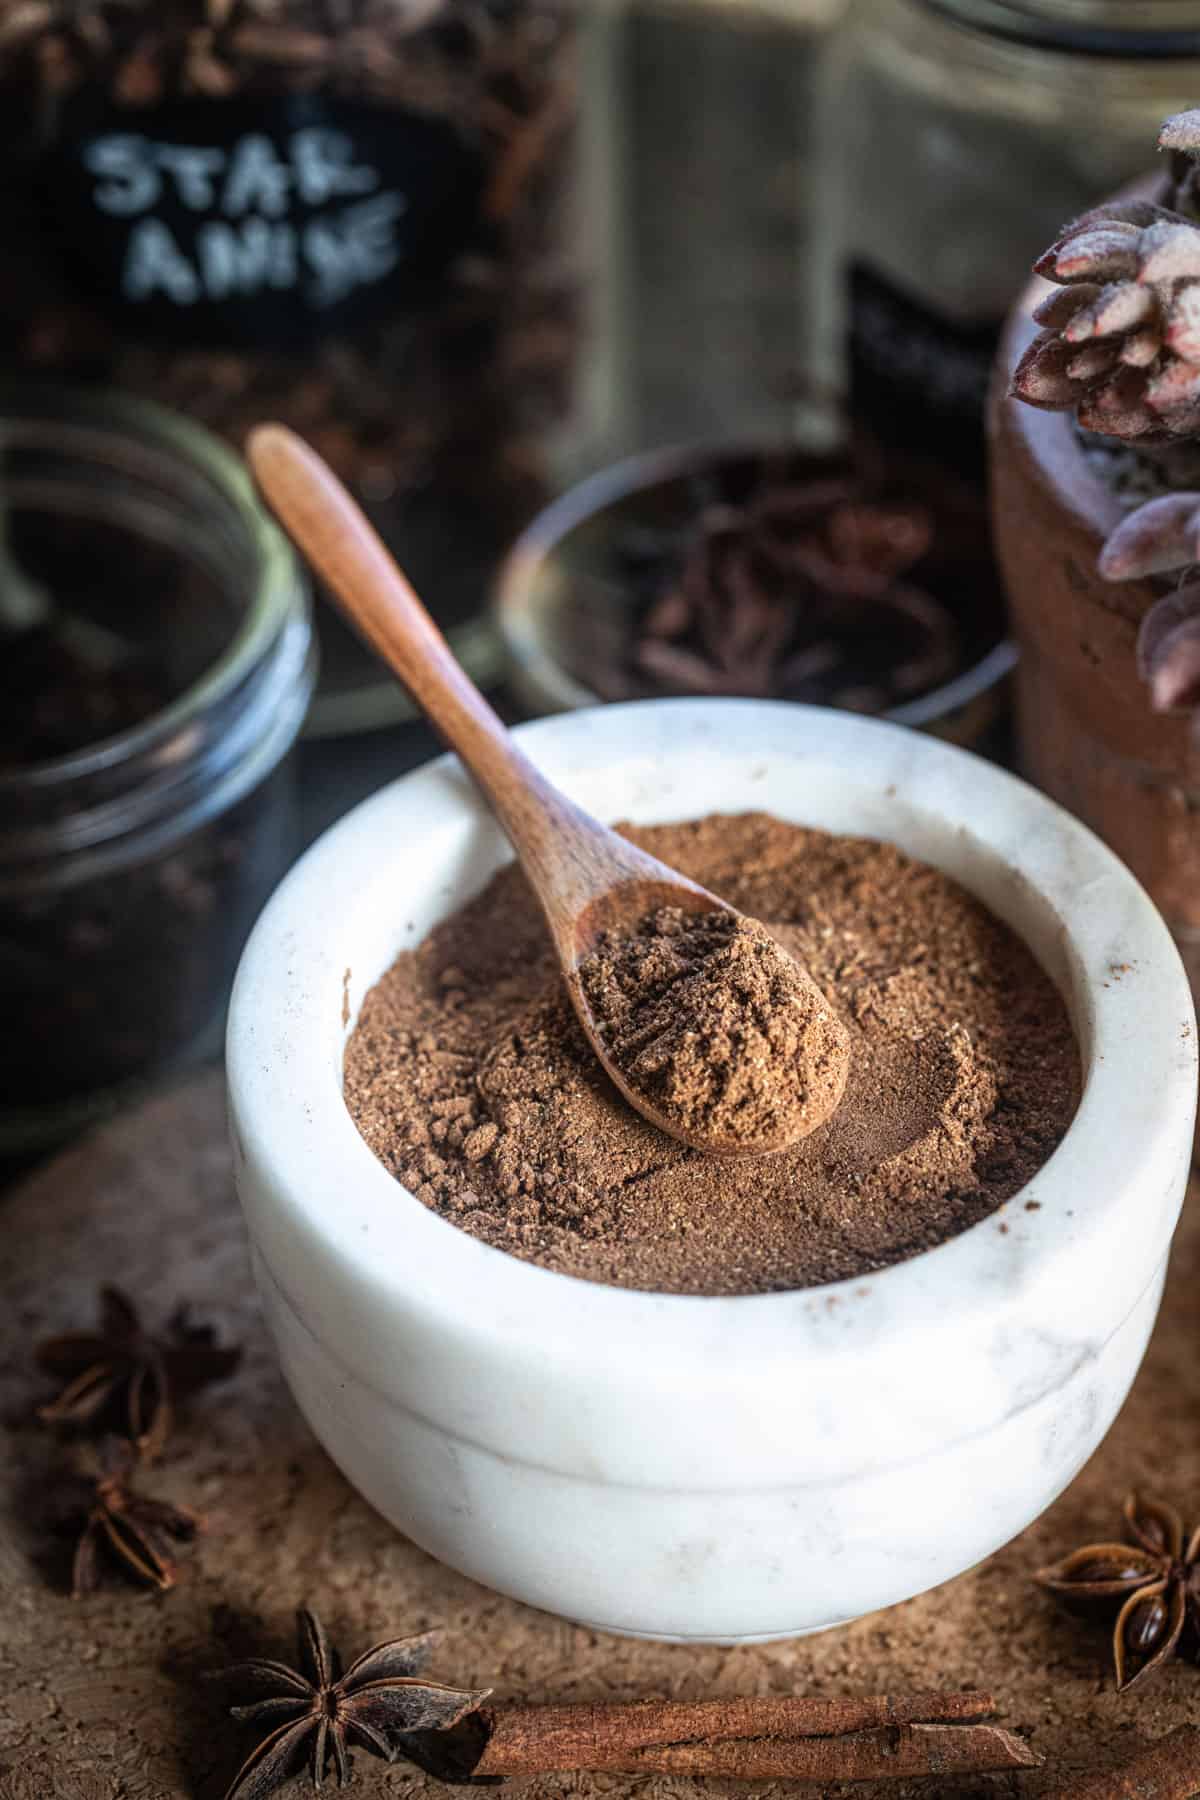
(1168, 1770)
(881, 1755)
(803, 1740)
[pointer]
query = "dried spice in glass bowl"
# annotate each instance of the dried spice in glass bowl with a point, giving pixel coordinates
(155, 668)
(351, 215)
(843, 580)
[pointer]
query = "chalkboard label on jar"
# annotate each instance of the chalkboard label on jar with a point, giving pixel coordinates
(919, 379)
(262, 222)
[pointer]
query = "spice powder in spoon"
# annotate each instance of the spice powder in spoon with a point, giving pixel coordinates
(728, 1038)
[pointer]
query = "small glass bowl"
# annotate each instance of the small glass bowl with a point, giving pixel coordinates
(563, 602)
(137, 841)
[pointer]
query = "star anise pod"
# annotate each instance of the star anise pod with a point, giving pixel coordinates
(122, 1376)
(801, 583)
(1153, 1581)
(317, 1712)
(131, 1528)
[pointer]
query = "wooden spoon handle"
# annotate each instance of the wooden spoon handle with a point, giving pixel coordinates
(576, 865)
(345, 550)
(348, 554)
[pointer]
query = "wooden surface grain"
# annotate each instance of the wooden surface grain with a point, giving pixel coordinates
(102, 1699)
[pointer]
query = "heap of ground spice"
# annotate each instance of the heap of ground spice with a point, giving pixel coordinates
(722, 1031)
(471, 1080)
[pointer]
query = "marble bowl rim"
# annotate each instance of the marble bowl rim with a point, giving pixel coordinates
(289, 1118)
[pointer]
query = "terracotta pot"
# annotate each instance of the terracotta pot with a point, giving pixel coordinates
(1086, 732)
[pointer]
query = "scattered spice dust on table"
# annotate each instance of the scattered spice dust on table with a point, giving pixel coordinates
(104, 1698)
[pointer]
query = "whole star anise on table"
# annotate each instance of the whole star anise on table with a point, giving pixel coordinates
(317, 1712)
(120, 1375)
(131, 1528)
(1153, 1581)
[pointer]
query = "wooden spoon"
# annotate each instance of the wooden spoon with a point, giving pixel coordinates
(588, 879)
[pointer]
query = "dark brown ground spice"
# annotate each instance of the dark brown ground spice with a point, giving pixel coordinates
(470, 1079)
(725, 1034)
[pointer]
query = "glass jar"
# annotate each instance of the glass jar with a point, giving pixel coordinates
(156, 663)
(957, 137)
(574, 592)
(697, 127)
(353, 216)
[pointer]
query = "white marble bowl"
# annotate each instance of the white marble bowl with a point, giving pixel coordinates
(716, 1469)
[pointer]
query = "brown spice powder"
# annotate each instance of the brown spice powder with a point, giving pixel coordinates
(468, 1076)
(723, 1032)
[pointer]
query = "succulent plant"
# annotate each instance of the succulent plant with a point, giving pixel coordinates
(1180, 138)
(1120, 347)
(1163, 538)
(1120, 338)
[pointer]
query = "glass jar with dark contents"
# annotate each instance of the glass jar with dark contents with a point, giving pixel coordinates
(957, 138)
(355, 216)
(156, 662)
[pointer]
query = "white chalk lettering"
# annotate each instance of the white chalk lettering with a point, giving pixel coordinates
(252, 177)
(357, 247)
(154, 264)
(241, 259)
(131, 183)
(325, 167)
(258, 181)
(193, 170)
(244, 242)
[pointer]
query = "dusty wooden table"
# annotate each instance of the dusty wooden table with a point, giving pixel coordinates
(101, 1699)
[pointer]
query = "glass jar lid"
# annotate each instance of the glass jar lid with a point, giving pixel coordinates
(1134, 28)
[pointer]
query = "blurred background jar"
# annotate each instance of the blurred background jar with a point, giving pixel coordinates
(156, 665)
(699, 137)
(352, 215)
(956, 137)
(725, 535)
